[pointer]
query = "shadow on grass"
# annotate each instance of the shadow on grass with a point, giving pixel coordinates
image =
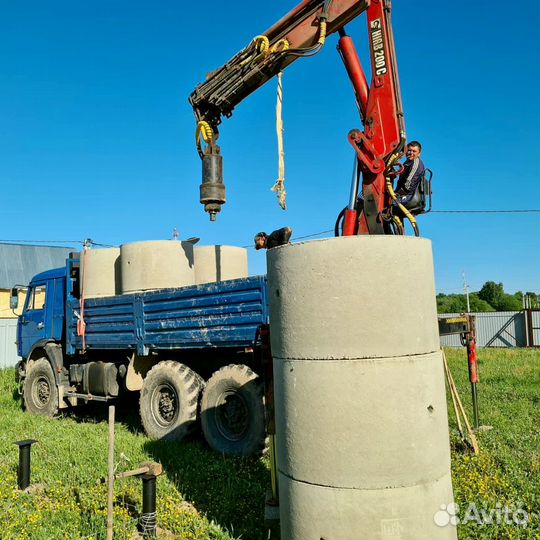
(459, 446)
(17, 396)
(228, 490)
(126, 412)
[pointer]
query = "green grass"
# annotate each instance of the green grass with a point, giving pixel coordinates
(200, 495)
(506, 472)
(204, 495)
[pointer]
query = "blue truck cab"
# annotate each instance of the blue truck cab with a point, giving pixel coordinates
(193, 353)
(42, 320)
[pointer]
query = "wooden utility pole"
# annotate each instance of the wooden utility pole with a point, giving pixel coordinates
(466, 291)
(110, 475)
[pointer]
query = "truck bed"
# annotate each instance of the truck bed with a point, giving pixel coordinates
(224, 314)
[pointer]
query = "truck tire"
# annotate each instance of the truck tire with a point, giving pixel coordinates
(40, 392)
(232, 412)
(168, 401)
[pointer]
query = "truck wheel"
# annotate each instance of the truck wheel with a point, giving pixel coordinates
(232, 412)
(40, 392)
(168, 402)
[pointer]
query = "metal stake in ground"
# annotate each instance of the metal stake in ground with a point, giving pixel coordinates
(473, 369)
(149, 471)
(23, 473)
(148, 517)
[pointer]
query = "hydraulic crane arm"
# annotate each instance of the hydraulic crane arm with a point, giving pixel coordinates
(302, 33)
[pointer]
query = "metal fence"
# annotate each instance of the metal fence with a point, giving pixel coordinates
(502, 329)
(493, 329)
(533, 327)
(8, 347)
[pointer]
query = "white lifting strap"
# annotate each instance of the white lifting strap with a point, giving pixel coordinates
(279, 186)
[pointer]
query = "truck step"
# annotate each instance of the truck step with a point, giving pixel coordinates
(87, 397)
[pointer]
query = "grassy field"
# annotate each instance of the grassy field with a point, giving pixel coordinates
(506, 472)
(204, 495)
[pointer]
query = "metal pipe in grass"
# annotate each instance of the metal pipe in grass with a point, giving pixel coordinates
(476, 414)
(472, 361)
(23, 472)
(149, 516)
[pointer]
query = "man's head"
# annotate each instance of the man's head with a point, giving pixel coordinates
(414, 149)
(260, 240)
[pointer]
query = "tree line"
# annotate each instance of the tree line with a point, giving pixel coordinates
(491, 297)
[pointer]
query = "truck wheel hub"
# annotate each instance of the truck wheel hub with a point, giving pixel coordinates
(42, 391)
(232, 416)
(165, 404)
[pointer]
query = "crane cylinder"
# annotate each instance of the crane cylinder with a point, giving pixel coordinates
(361, 420)
(212, 189)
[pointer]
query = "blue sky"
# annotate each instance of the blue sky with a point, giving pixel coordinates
(97, 136)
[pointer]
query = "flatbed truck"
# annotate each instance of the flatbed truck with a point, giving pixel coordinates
(194, 353)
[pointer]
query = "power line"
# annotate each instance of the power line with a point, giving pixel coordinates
(460, 289)
(53, 242)
(302, 237)
(314, 234)
(484, 211)
(516, 211)
(42, 241)
(101, 245)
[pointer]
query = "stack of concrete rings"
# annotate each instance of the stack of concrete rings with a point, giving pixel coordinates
(361, 419)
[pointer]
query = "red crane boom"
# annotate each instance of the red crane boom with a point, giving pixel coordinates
(303, 33)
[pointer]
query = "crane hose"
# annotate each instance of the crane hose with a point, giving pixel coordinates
(406, 213)
(281, 46)
(338, 227)
(262, 47)
(322, 32)
(204, 131)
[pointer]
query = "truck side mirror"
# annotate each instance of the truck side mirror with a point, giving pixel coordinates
(14, 298)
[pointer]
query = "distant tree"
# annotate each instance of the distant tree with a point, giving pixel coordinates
(498, 300)
(451, 303)
(477, 304)
(492, 293)
(509, 302)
